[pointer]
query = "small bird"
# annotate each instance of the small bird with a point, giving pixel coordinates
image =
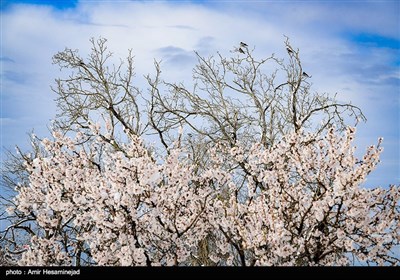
(241, 51)
(289, 50)
(244, 45)
(306, 75)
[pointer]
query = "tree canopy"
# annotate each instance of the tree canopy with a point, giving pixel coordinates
(250, 167)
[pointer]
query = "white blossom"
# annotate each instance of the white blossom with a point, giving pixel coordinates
(297, 196)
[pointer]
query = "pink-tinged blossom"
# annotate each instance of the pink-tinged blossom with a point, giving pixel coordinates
(300, 202)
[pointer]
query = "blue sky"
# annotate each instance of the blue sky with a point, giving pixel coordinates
(349, 47)
(58, 4)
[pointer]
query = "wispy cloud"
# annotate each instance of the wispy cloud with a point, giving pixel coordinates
(179, 26)
(6, 59)
(175, 56)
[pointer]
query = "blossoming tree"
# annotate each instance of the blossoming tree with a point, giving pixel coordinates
(220, 193)
(302, 205)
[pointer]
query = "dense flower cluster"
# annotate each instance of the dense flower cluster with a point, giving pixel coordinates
(301, 203)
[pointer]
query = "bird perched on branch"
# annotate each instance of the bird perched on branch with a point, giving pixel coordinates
(244, 45)
(306, 75)
(289, 50)
(241, 50)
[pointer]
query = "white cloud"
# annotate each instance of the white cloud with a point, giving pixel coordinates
(171, 31)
